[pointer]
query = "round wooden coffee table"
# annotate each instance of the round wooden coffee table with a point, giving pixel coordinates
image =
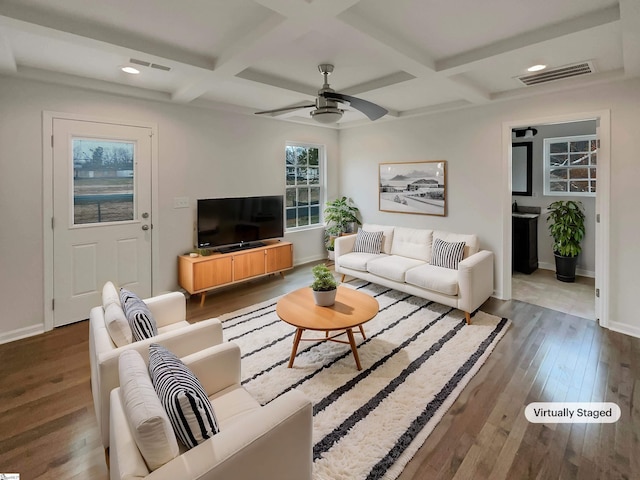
(351, 310)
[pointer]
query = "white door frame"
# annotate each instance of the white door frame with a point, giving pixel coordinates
(603, 198)
(47, 198)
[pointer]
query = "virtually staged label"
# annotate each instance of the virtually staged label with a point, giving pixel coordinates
(572, 412)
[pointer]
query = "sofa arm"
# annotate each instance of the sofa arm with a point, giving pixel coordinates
(182, 342)
(274, 441)
(475, 280)
(216, 367)
(168, 308)
(343, 245)
(125, 460)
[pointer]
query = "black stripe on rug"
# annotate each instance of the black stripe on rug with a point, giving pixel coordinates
(432, 407)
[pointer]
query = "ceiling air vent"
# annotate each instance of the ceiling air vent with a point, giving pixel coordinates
(149, 64)
(575, 70)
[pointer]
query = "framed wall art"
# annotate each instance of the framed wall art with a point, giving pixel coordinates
(413, 187)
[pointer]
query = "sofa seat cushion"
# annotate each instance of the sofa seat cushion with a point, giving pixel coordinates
(173, 326)
(358, 260)
(437, 279)
(231, 404)
(393, 267)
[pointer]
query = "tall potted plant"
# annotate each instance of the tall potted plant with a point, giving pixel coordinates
(324, 286)
(340, 215)
(566, 225)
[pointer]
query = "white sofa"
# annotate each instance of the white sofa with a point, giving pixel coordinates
(273, 441)
(403, 264)
(174, 332)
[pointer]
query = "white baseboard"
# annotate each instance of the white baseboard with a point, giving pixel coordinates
(24, 332)
(624, 328)
(309, 259)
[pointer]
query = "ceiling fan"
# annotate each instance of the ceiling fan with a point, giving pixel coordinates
(326, 104)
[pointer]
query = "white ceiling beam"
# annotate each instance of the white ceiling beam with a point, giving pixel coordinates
(7, 59)
(408, 57)
(630, 15)
(472, 58)
(278, 82)
(377, 83)
(291, 19)
(90, 34)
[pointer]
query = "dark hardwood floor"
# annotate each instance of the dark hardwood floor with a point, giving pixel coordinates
(48, 427)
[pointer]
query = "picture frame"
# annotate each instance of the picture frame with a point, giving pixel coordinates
(413, 187)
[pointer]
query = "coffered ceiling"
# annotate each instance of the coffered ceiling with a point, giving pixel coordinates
(411, 57)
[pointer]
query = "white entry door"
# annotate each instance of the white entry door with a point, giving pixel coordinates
(101, 213)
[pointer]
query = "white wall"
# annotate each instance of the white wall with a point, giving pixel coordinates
(202, 153)
(587, 258)
(471, 142)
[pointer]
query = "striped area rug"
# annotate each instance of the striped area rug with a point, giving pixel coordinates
(416, 359)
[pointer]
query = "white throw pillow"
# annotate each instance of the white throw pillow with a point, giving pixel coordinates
(117, 325)
(147, 418)
(109, 295)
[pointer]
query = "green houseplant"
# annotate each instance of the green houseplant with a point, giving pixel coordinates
(324, 285)
(340, 214)
(566, 225)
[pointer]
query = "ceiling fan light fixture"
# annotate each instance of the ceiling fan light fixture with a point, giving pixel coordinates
(327, 115)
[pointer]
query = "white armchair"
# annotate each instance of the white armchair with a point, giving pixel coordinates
(273, 441)
(174, 332)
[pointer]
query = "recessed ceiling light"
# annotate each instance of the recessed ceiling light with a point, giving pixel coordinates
(131, 70)
(536, 68)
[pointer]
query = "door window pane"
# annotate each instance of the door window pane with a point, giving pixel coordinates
(103, 181)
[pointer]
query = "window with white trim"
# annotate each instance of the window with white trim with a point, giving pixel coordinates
(570, 166)
(304, 167)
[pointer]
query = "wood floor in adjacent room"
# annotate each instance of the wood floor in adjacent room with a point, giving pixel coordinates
(48, 427)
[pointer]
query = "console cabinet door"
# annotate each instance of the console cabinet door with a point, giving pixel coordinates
(211, 273)
(248, 264)
(279, 258)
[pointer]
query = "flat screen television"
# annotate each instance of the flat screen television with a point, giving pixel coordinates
(235, 223)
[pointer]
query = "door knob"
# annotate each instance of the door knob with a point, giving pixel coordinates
(145, 227)
(145, 215)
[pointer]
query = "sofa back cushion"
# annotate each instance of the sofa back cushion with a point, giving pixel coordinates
(117, 325)
(471, 242)
(387, 234)
(412, 243)
(147, 419)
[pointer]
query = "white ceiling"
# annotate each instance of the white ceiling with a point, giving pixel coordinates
(410, 56)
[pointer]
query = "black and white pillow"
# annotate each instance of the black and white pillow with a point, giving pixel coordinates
(368, 242)
(140, 319)
(182, 396)
(446, 254)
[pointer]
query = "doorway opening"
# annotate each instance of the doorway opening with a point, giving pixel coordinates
(539, 286)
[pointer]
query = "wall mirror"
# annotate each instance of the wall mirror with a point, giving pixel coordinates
(521, 166)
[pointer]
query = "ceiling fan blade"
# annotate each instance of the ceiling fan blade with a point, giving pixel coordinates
(370, 109)
(286, 109)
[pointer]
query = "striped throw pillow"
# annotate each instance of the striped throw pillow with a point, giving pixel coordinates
(368, 242)
(446, 254)
(140, 319)
(182, 396)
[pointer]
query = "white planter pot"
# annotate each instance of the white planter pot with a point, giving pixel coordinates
(325, 299)
(332, 254)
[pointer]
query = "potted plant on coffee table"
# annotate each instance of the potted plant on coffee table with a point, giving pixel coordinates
(324, 286)
(566, 225)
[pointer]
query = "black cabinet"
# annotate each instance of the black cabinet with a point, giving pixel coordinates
(525, 243)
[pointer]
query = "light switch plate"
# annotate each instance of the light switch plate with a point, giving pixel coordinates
(181, 202)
